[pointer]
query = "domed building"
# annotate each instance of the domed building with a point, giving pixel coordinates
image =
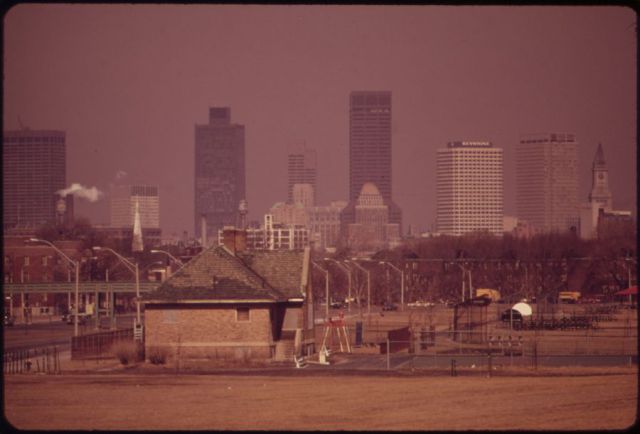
(372, 230)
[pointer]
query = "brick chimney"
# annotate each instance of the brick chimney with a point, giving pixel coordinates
(234, 239)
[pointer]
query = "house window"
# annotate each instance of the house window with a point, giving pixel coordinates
(242, 314)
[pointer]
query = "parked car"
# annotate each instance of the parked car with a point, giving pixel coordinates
(420, 303)
(450, 303)
(337, 305)
(389, 307)
(70, 319)
(9, 320)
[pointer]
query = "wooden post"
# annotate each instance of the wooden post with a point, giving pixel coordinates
(96, 307)
(388, 355)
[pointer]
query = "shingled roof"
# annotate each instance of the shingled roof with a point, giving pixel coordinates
(283, 269)
(217, 275)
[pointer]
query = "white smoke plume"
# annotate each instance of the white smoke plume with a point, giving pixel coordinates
(78, 190)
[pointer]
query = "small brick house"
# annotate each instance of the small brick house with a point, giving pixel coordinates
(225, 303)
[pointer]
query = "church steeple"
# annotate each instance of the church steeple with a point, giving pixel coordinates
(137, 244)
(598, 160)
(600, 193)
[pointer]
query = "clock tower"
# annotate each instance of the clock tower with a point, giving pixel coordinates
(600, 195)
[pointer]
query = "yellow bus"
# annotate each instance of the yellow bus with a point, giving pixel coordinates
(492, 294)
(568, 296)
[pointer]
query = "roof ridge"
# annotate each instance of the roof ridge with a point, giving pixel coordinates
(180, 271)
(263, 280)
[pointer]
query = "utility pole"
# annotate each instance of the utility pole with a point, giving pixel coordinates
(326, 284)
(368, 273)
(401, 280)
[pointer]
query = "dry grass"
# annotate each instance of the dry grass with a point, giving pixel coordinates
(170, 402)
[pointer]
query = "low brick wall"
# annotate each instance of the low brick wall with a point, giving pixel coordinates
(208, 332)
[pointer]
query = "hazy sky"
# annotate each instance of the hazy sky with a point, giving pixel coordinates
(129, 82)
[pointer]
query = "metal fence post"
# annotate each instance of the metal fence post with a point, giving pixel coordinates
(489, 364)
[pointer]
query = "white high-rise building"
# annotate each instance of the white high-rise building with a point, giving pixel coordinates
(123, 205)
(547, 181)
(469, 188)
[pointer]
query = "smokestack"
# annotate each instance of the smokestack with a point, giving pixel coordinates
(61, 209)
(243, 209)
(203, 230)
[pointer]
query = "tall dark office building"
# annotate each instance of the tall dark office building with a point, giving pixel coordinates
(34, 169)
(301, 169)
(219, 172)
(547, 181)
(370, 150)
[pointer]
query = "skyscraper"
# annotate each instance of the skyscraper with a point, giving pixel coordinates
(123, 204)
(370, 150)
(301, 169)
(34, 169)
(219, 172)
(547, 181)
(469, 188)
(304, 195)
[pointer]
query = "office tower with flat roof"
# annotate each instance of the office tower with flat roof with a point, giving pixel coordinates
(547, 181)
(469, 188)
(304, 194)
(370, 150)
(34, 169)
(123, 204)
(324, 224)
(219, 173)
(301, 169)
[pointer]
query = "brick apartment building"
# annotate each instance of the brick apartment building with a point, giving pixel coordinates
(37, 263)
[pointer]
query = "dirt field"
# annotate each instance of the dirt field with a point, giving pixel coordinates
(210, 402)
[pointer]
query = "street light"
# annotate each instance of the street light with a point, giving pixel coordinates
(401, 281)
(368, 284)
(134, 269)
(326, 282)
(345, 268)
(76, 265)
(466, 272)
(180, 263)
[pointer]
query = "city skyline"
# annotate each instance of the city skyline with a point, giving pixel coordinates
(128, 101)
